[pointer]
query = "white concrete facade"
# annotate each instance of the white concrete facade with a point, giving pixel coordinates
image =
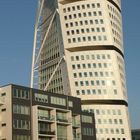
(88, 34)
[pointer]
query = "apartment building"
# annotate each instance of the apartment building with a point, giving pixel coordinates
(31, 114)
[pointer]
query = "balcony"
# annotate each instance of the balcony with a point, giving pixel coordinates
(76, 123)
(77, 136)
(48, 132)
(63, 120)
(46, 118)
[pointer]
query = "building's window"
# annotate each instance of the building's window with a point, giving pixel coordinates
(90, 74)
(93, 5)
(68, 33)
(20, 137)
(100, 65)
(83, 92)
(94, 13)
(3, 94)
(62, 132)
(70, 16)
(101, 21)
(21, 109)
(76, 23)
(77, 58)
(89, 38)
(99, 91)
(89, 14)
(103, 82)
(80, 74)
(119, 112)
(113, 82)
(101, 74)
(115, 121)
(82, 30)
(92, 83)
(87, 131)
(78, 66)
(21, 94)
(115, 91)
(83, 6)
(98, 29)
(75, 75)
(79, 39)
(76, 83)
(105, 38)
(58, 101)
(88, 91)
(110, 121)
(41, 98)
(77, 92)
(86, 119)
(94, 65)
(21, 124)
(98, 82)
(81, 83)
(73, 8)
(85, 74)
(96, 21)
(84, 14)
(77, 31)
(100, 38)
(121, 121)
(69, 40)
(100, 13)
(94, 38)
(122, 131)
(3, 124)
(66, 25)
(71, 24)
(3, 109)
(72, 58)
(64, 10)
(75, 16)
(65, 17)
(91, 21)
(70, 104)
(94, 91)
(73, 66)
(96, 74)
(98, 5)
(89, 65)
(74, 40)
(78, 7)
(68, 9)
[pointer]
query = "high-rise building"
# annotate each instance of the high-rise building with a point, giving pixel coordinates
(78, 49)
(31, 114)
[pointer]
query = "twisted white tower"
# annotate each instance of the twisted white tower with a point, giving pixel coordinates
(78, 50)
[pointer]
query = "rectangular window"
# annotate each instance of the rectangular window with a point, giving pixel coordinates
(86, 119)
(58, 101)
(41, 98)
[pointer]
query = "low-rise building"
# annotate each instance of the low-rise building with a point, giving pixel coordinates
(31, 114)
(136, 134)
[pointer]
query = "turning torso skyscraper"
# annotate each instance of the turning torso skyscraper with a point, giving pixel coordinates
(78, 50)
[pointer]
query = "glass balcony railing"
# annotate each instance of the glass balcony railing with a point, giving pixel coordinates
(76, 123)
(47, 118)
(48, 132)
(63, 119)
(77, 136)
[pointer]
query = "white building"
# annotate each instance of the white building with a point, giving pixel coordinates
(78, 49)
